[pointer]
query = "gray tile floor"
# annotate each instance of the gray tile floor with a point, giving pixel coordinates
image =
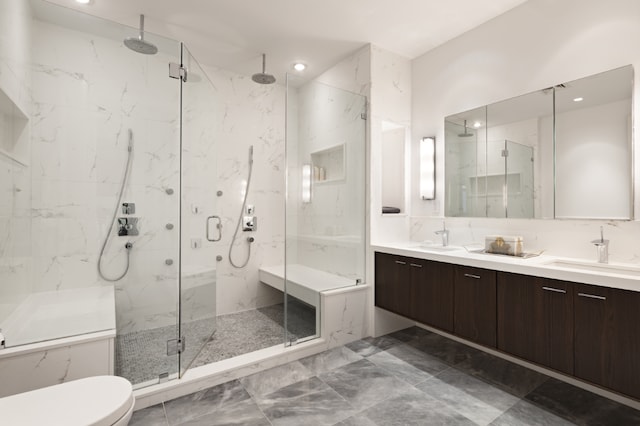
(412, 377)
(142, 355)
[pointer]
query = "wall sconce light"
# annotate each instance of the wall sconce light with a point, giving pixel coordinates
(428, 168)
(306, 183)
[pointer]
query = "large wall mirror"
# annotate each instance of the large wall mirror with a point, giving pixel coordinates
(561, 152)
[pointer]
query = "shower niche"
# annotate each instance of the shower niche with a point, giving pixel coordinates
(328, 164)
(14, 135)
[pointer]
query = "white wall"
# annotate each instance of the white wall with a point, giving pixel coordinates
(390, 101)
(536, 45)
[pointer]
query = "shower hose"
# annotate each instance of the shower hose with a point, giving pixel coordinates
(128, 246)
(244, 204)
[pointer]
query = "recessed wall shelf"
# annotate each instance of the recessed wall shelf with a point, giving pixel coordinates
(328, 164)
(14, 137)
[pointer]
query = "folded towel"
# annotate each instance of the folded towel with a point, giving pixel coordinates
(387, 209)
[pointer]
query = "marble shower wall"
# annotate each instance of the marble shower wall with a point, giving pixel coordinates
(88, 92)
(15, 146)
(245, 114)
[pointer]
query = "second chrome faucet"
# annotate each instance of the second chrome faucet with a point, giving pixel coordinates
(444, 233)
(602, 246)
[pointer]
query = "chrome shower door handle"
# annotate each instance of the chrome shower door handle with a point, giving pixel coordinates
(218, 227)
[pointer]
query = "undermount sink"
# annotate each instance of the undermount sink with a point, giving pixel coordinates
(603, 268)
(437, 248)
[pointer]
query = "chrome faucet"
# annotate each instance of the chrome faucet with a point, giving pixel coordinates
(444, 232)
(602, 246)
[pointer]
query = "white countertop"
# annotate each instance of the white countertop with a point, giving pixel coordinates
(625, 277)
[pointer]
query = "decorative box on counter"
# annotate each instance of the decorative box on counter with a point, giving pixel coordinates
(503, 244)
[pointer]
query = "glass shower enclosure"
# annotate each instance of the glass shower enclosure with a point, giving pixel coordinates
(325, 219)
(107, 166)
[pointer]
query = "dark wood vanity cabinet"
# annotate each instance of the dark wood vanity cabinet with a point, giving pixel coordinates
(393, 284)
(415, 288)
(607, 337)
(433, 293)
(587, 331)
(474, 312)
(535, 320)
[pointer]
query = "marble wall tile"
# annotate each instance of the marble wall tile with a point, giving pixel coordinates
(34, 370)
(344, 315)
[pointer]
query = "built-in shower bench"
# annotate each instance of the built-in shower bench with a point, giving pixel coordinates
(303, 282)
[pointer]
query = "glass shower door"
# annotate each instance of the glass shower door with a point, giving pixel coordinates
(325, 210)
(199, 224)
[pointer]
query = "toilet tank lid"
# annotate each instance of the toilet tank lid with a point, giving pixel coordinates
(98, 400)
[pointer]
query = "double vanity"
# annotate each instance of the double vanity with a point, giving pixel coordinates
(575, 317)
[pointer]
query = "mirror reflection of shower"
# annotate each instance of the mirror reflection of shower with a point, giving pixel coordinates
(127, 228)
(248, 221)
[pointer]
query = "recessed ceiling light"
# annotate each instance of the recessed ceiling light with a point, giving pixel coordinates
(578, 99)
(477, 124)
(83, 1)
(299, 66)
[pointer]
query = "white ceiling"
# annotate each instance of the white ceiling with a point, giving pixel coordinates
(232, 34)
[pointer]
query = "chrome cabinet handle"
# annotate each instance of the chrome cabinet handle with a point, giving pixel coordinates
(556, 290)
(416, 265)
(400, 262)
(592, 296)
(218, 227)
(475, 277)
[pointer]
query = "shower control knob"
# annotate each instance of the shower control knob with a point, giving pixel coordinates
(169, 226)
(168, 262)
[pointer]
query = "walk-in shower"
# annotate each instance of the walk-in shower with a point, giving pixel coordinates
(170, 296)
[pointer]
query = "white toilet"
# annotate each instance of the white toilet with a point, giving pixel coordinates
(99, 401)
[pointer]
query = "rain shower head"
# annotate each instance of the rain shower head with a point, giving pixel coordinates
(263, 77)
(139, 44)
(466, 133)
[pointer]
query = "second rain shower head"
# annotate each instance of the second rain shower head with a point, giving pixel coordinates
(139, 44)
(466, 133)
(263, 77)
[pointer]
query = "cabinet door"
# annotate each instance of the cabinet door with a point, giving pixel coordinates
(393, 283)
(474, 307)
(432, 303)
(607, 337)
(535, 320)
